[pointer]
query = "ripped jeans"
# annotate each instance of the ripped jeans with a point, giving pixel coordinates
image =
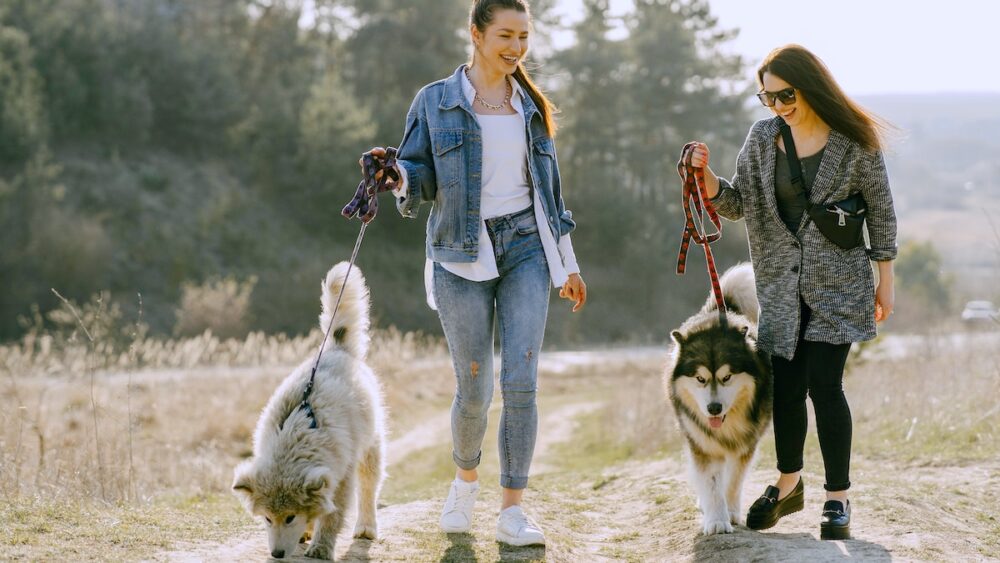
(519, 299)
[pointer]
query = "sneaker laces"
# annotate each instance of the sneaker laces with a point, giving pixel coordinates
(518, 521)
(463, 499)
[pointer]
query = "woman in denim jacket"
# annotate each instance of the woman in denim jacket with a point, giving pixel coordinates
(478, 146)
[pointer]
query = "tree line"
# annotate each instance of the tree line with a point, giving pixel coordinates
(148, 145)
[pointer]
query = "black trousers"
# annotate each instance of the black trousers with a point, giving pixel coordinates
(817, 369)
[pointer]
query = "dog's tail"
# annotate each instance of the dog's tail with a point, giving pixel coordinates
(350, 325)
(739, 291)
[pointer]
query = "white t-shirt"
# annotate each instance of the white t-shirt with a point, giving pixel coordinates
(505, 187)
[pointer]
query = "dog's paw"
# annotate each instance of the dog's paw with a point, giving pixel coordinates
(711, 527)
(736, 519)
(367, 531)
(320, 551)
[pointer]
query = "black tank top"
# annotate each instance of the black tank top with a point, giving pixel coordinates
(790, 205)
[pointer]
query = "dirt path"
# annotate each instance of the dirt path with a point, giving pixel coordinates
(645, 510)
(396, 522)
(908, 523)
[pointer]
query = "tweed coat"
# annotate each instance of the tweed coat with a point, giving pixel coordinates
(836, 284)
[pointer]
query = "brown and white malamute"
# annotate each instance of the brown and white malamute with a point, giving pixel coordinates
(721, 390)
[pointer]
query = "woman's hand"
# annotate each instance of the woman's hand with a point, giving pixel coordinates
(885, 293)
(575, 290)
(378, 153)
(699, 159)
(700, 155)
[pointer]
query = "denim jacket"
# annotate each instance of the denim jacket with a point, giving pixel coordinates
(441, 154)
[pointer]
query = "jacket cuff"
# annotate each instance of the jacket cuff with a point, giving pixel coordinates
(723, 186)
(882, 254)
(401, 190)
(566, 223)
(409, 201)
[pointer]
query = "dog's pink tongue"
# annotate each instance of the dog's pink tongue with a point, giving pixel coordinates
(715, 421)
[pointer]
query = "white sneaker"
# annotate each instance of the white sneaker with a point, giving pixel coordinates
(515, 528)
(456, 518)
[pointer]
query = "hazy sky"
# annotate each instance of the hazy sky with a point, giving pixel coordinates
(873, 46)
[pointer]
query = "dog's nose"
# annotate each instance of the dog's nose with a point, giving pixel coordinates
(714, 408)
(278, 554)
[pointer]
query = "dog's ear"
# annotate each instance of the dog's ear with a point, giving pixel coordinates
(244, 482)
(316, 479)
(678, 337)
(243, 478)
(243, 486)
(319, 484)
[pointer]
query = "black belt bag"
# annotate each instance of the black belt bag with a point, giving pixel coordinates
(842, 222)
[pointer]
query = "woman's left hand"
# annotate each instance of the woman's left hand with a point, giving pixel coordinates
(575, 290)
(885, 298)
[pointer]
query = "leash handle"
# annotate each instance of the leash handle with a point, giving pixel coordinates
(695, 194)
(364, 204)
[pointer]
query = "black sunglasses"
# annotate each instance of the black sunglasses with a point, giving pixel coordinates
(787, 97)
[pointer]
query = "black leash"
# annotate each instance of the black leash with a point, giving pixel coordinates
(365, 206)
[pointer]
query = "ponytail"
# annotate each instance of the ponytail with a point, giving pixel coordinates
(545, 106)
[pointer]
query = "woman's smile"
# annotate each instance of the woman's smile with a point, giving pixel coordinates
(787, 114)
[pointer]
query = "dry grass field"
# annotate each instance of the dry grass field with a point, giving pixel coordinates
(130, 457)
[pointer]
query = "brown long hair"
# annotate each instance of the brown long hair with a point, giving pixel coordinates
(481, 16)
(797, 66)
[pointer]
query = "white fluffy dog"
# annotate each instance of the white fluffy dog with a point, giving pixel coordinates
(310, 455)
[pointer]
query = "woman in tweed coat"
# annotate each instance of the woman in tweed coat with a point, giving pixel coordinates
(815, 298)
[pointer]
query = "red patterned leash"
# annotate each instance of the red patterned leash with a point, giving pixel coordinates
(696, 194)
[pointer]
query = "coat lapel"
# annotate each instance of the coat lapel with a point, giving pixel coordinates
(768, 159)
(823, 185)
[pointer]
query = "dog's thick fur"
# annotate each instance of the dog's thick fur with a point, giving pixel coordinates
(721, 388)
(301, 477)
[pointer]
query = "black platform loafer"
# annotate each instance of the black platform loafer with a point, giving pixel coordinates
(767, 510)
(836, 521)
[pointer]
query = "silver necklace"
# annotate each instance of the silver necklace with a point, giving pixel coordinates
(487, 105)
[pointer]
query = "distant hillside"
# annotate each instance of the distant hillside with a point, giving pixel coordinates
(944, 108)
(945, 170)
